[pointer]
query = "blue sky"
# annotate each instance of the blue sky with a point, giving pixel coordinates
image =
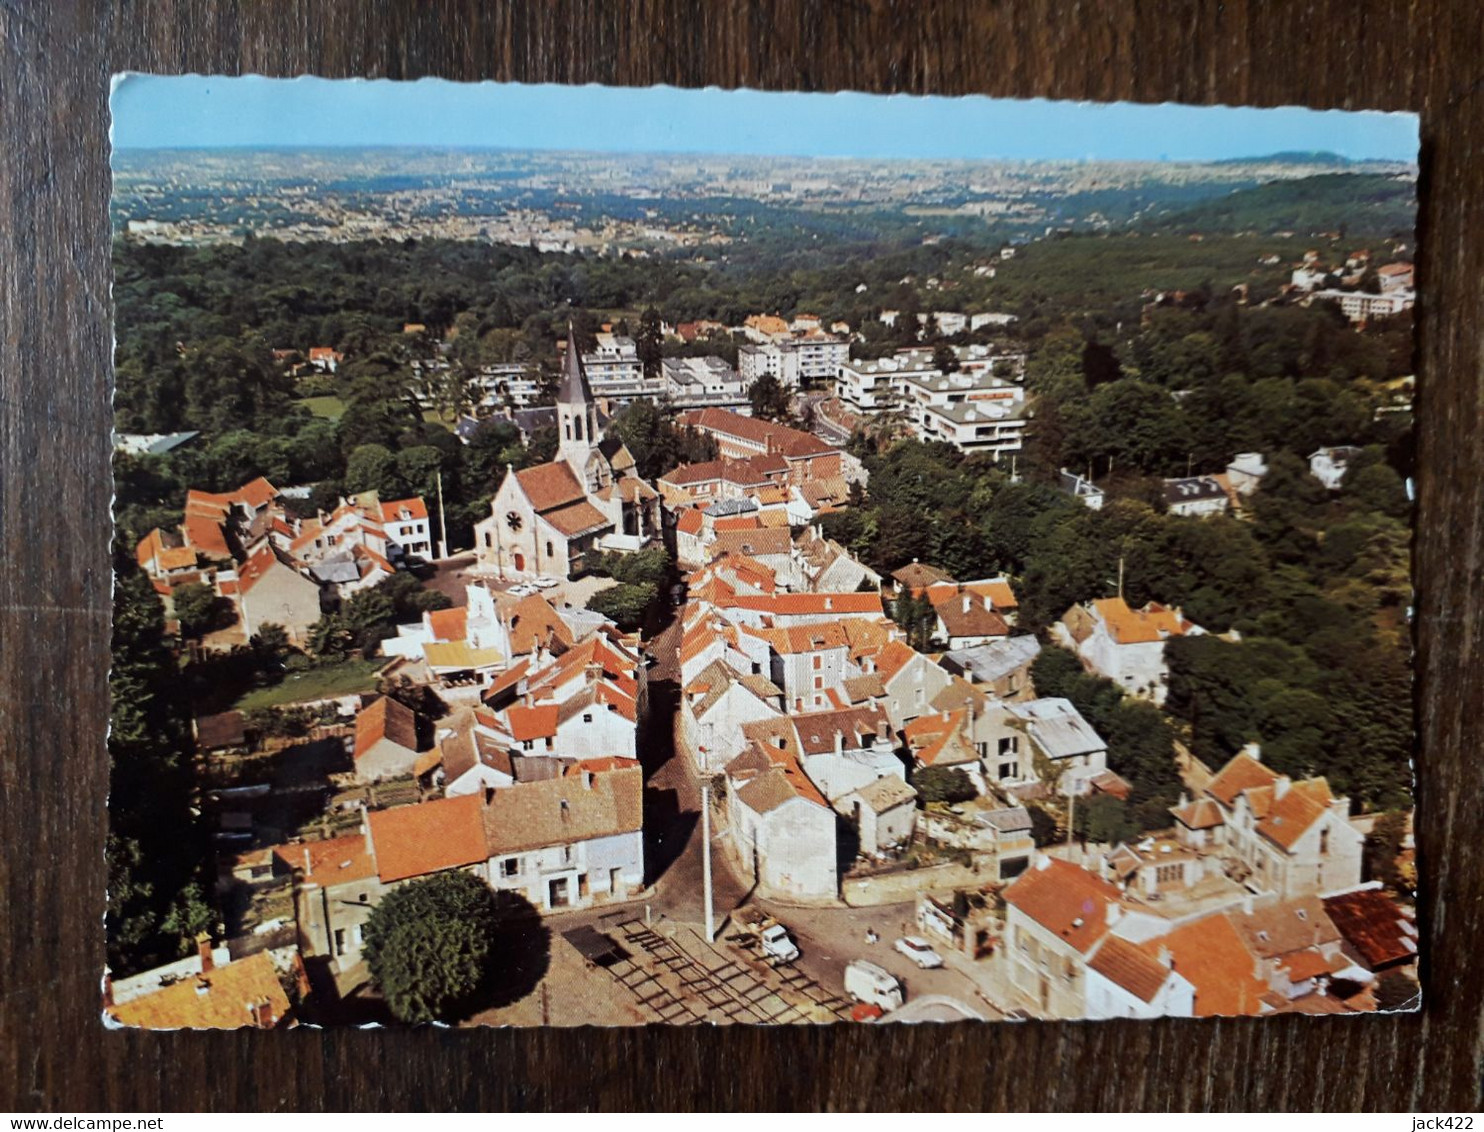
(195, 111)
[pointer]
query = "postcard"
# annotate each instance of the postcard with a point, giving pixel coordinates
(595, 556)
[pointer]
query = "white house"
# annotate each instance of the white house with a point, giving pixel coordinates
(782, 828)
(1125, 981)
(1196, 496)
(1329, 465)
(1079, 487)
(715, 706)
(1125, 645)
(571, 841)
(1245, 472)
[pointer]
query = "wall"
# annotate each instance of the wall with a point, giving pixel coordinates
(907, 884)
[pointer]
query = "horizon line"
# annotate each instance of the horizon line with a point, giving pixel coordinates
(292, 147)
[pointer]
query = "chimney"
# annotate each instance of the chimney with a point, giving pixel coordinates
(107, 987)
(587, 779)
(967, 601)
(1113, 912)
(203, 987)
(1166, 957)
(829, 602)
(307, 867)
(1280, 786)
(203, 945)
(839, 742)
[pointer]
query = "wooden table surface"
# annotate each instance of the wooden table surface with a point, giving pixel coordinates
(54, 530)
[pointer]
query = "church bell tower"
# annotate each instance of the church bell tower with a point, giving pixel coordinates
(577, 414)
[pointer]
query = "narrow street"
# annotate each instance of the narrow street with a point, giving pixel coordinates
(828, 937)
(672, 800)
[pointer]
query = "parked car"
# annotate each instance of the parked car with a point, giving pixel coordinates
(773, 936)
(866, 982)
(524, 589)
(546, 582)
(919, 950)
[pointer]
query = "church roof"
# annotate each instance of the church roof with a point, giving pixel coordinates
(574, 389)
(550, 485)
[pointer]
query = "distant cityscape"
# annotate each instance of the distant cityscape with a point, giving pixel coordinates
(616, 204)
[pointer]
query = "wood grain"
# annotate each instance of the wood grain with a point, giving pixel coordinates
(54, 529)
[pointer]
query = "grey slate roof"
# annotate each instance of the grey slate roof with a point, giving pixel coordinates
(1058, 728)
(574, 389)
(989, 662)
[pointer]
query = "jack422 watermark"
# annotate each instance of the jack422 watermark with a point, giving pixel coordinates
(1442, 1124)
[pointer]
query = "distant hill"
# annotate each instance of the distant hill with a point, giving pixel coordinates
(1290, 157)
(1369, 203)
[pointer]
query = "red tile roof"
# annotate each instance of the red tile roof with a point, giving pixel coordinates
(339, 860)
(788, 442)
(1068, 901)
(1140, 626)
(449, 624)
(386, 718)
(1295, 812)
(244, 993)
(576, 519)
(1210, 955)
(414, 506)
(551, 485)
(1242, 772)
(1128, 966)
(1381, 931)
(530, 723)
(413, 841)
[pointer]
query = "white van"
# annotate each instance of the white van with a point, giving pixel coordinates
(866, 982)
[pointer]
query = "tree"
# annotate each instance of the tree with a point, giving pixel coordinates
(430, 947)
(769, 400)
(270, 647)
(156, 843)
(626, 604)
(649, 343)
(1104, 820)
(1383, 847)
(198, 609)
(943, 784)
(653, 440)
(373, 467)
(944, 358)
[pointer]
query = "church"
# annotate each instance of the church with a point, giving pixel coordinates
(549, 519)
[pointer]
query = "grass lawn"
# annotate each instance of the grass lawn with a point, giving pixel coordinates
(330, 407)
(341, 679)
(432, 416)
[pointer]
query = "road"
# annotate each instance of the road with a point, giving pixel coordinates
(672, 798)
(829, 938)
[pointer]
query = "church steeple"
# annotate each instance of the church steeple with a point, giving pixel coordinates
(577, 414)
(574, 389)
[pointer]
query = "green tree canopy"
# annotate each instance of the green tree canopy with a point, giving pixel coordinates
(430, 946)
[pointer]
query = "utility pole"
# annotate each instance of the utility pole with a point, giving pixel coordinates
(706, 856)
(1071, 815)
(442, 524)
(1120, 577)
